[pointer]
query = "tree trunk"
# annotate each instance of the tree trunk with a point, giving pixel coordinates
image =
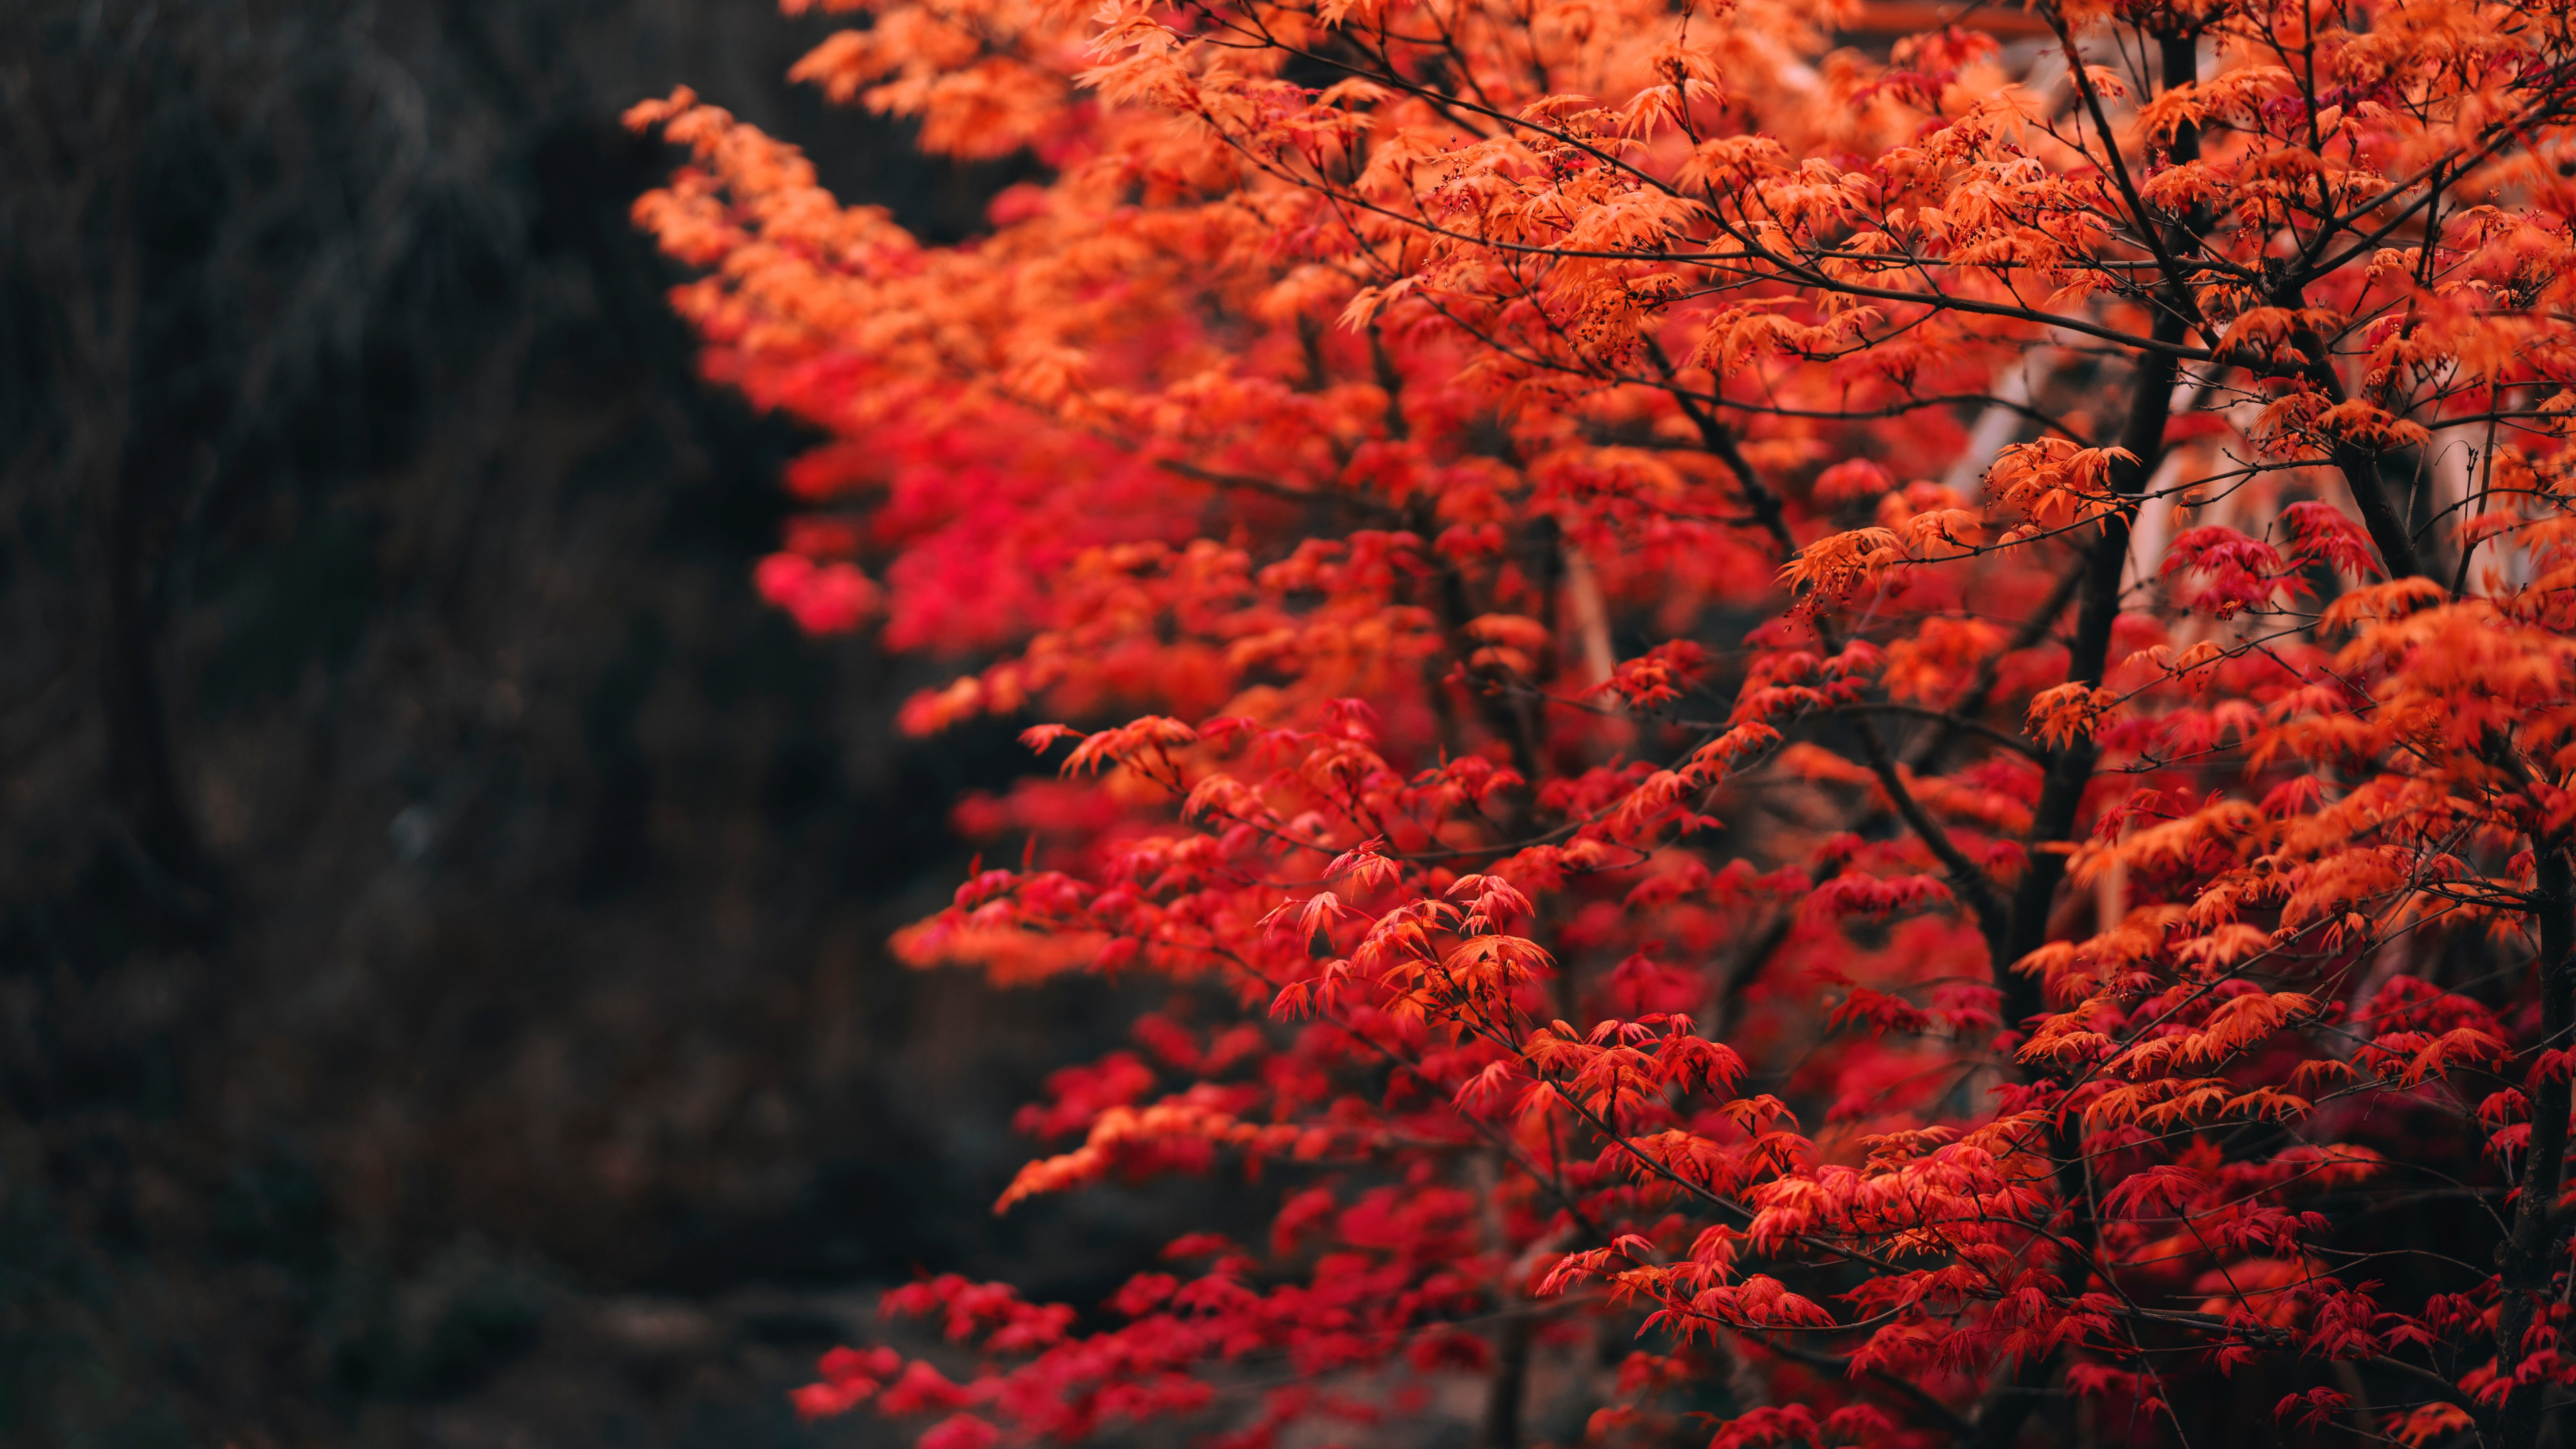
(2524, 1259)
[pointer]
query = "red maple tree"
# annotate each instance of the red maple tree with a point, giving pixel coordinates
(1832, 737)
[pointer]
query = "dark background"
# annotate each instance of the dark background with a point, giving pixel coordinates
(442, 995)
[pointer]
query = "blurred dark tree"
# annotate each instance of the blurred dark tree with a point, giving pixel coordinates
(441, 996)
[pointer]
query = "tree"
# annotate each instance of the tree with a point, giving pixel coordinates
(1866, 745)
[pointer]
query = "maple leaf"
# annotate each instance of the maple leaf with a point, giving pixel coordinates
(2313, 1409)
(2065, 713)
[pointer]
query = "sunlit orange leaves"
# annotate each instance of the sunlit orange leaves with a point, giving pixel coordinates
(1886, 719)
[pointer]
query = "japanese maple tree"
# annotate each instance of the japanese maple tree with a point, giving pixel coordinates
(1830, 736)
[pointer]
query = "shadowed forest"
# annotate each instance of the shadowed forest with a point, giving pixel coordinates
(442, 996)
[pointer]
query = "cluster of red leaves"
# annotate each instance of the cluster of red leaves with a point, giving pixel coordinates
(1888, 725)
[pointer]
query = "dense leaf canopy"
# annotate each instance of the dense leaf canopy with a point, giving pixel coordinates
(1875, 727)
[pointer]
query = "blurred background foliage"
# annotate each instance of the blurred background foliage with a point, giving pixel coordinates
(442, 996)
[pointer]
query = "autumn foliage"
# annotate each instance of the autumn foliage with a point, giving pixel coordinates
(1830, 737)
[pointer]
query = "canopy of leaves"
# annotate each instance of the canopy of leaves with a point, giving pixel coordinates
(1888, 720)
